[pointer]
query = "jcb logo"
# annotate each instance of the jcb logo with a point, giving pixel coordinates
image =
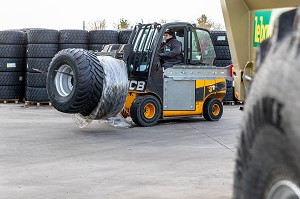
(135, 85)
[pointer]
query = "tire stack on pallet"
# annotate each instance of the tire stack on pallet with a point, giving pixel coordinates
(12, 65)
(223, 59)
(99, 38)
(41, 48)
(73, 39)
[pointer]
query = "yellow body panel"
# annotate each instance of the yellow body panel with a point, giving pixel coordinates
(209, 87)
(198, 111)
(209, 92)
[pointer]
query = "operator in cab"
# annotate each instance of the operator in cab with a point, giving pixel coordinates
(170, 50)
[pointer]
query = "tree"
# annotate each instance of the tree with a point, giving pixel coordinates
(97, 24)
(217, 26)
(204, 22)
(123, 24)
(163, 21)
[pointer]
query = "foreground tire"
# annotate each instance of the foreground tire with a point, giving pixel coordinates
(145, 110)
(212, 109)
(268, 159)
(75, 81)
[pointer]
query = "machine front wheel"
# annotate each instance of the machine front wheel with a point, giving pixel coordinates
(145, 110)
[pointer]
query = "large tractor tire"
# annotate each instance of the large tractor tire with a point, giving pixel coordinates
(41, 50)
(36, 65)
(75, 81)
(124, 36)
(42, 36)
(12, 37)
(103, 37)
(73, 36)
(146, 110)
(219, 38)
(268, 159)
(11, 92)
(12, 64)
(35, 94)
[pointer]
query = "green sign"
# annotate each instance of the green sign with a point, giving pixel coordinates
(261, 26)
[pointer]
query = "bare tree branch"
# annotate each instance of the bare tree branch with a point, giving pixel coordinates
(97, 24)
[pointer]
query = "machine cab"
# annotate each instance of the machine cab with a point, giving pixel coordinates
(145, 66)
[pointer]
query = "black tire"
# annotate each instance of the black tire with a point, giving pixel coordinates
(229, 83)
(229, 95)
(222, 63)
(219, 38)
(85, 90)
(12, 64)
(96, 47)
(12, 37)
(11, 92)
(36, 79)
(41, 64)
(12, 51)
(212, 109)
(146, 110)
(73, 37)
(124, 36)
(223, 52)
(42, 36)
(269, 150)
(11, 78)
(42, 50)
(103, 37)
(33, 94)
(66, 46)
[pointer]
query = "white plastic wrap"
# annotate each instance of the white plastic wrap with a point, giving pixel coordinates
(115, 89)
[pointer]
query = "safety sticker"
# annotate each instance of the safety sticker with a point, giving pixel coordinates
(11, 65)
(221, 38)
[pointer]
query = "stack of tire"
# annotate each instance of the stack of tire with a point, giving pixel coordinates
(12, 64)
(223, 58)
(99, 38)
(73, 39)
(124, 36)
(42, 47)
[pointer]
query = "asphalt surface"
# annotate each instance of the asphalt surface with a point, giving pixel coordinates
(44, 154)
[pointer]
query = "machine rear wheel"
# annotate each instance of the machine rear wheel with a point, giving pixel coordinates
(212, 109)
(145, 110)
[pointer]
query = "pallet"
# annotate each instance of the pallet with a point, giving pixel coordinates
(7, 101)
(28, 103)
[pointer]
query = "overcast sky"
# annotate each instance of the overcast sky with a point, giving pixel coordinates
(68, 14)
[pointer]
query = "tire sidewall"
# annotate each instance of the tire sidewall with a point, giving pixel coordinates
(54, 96)
(269, 149)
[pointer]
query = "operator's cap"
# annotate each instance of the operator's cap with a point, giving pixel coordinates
(170, 32)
